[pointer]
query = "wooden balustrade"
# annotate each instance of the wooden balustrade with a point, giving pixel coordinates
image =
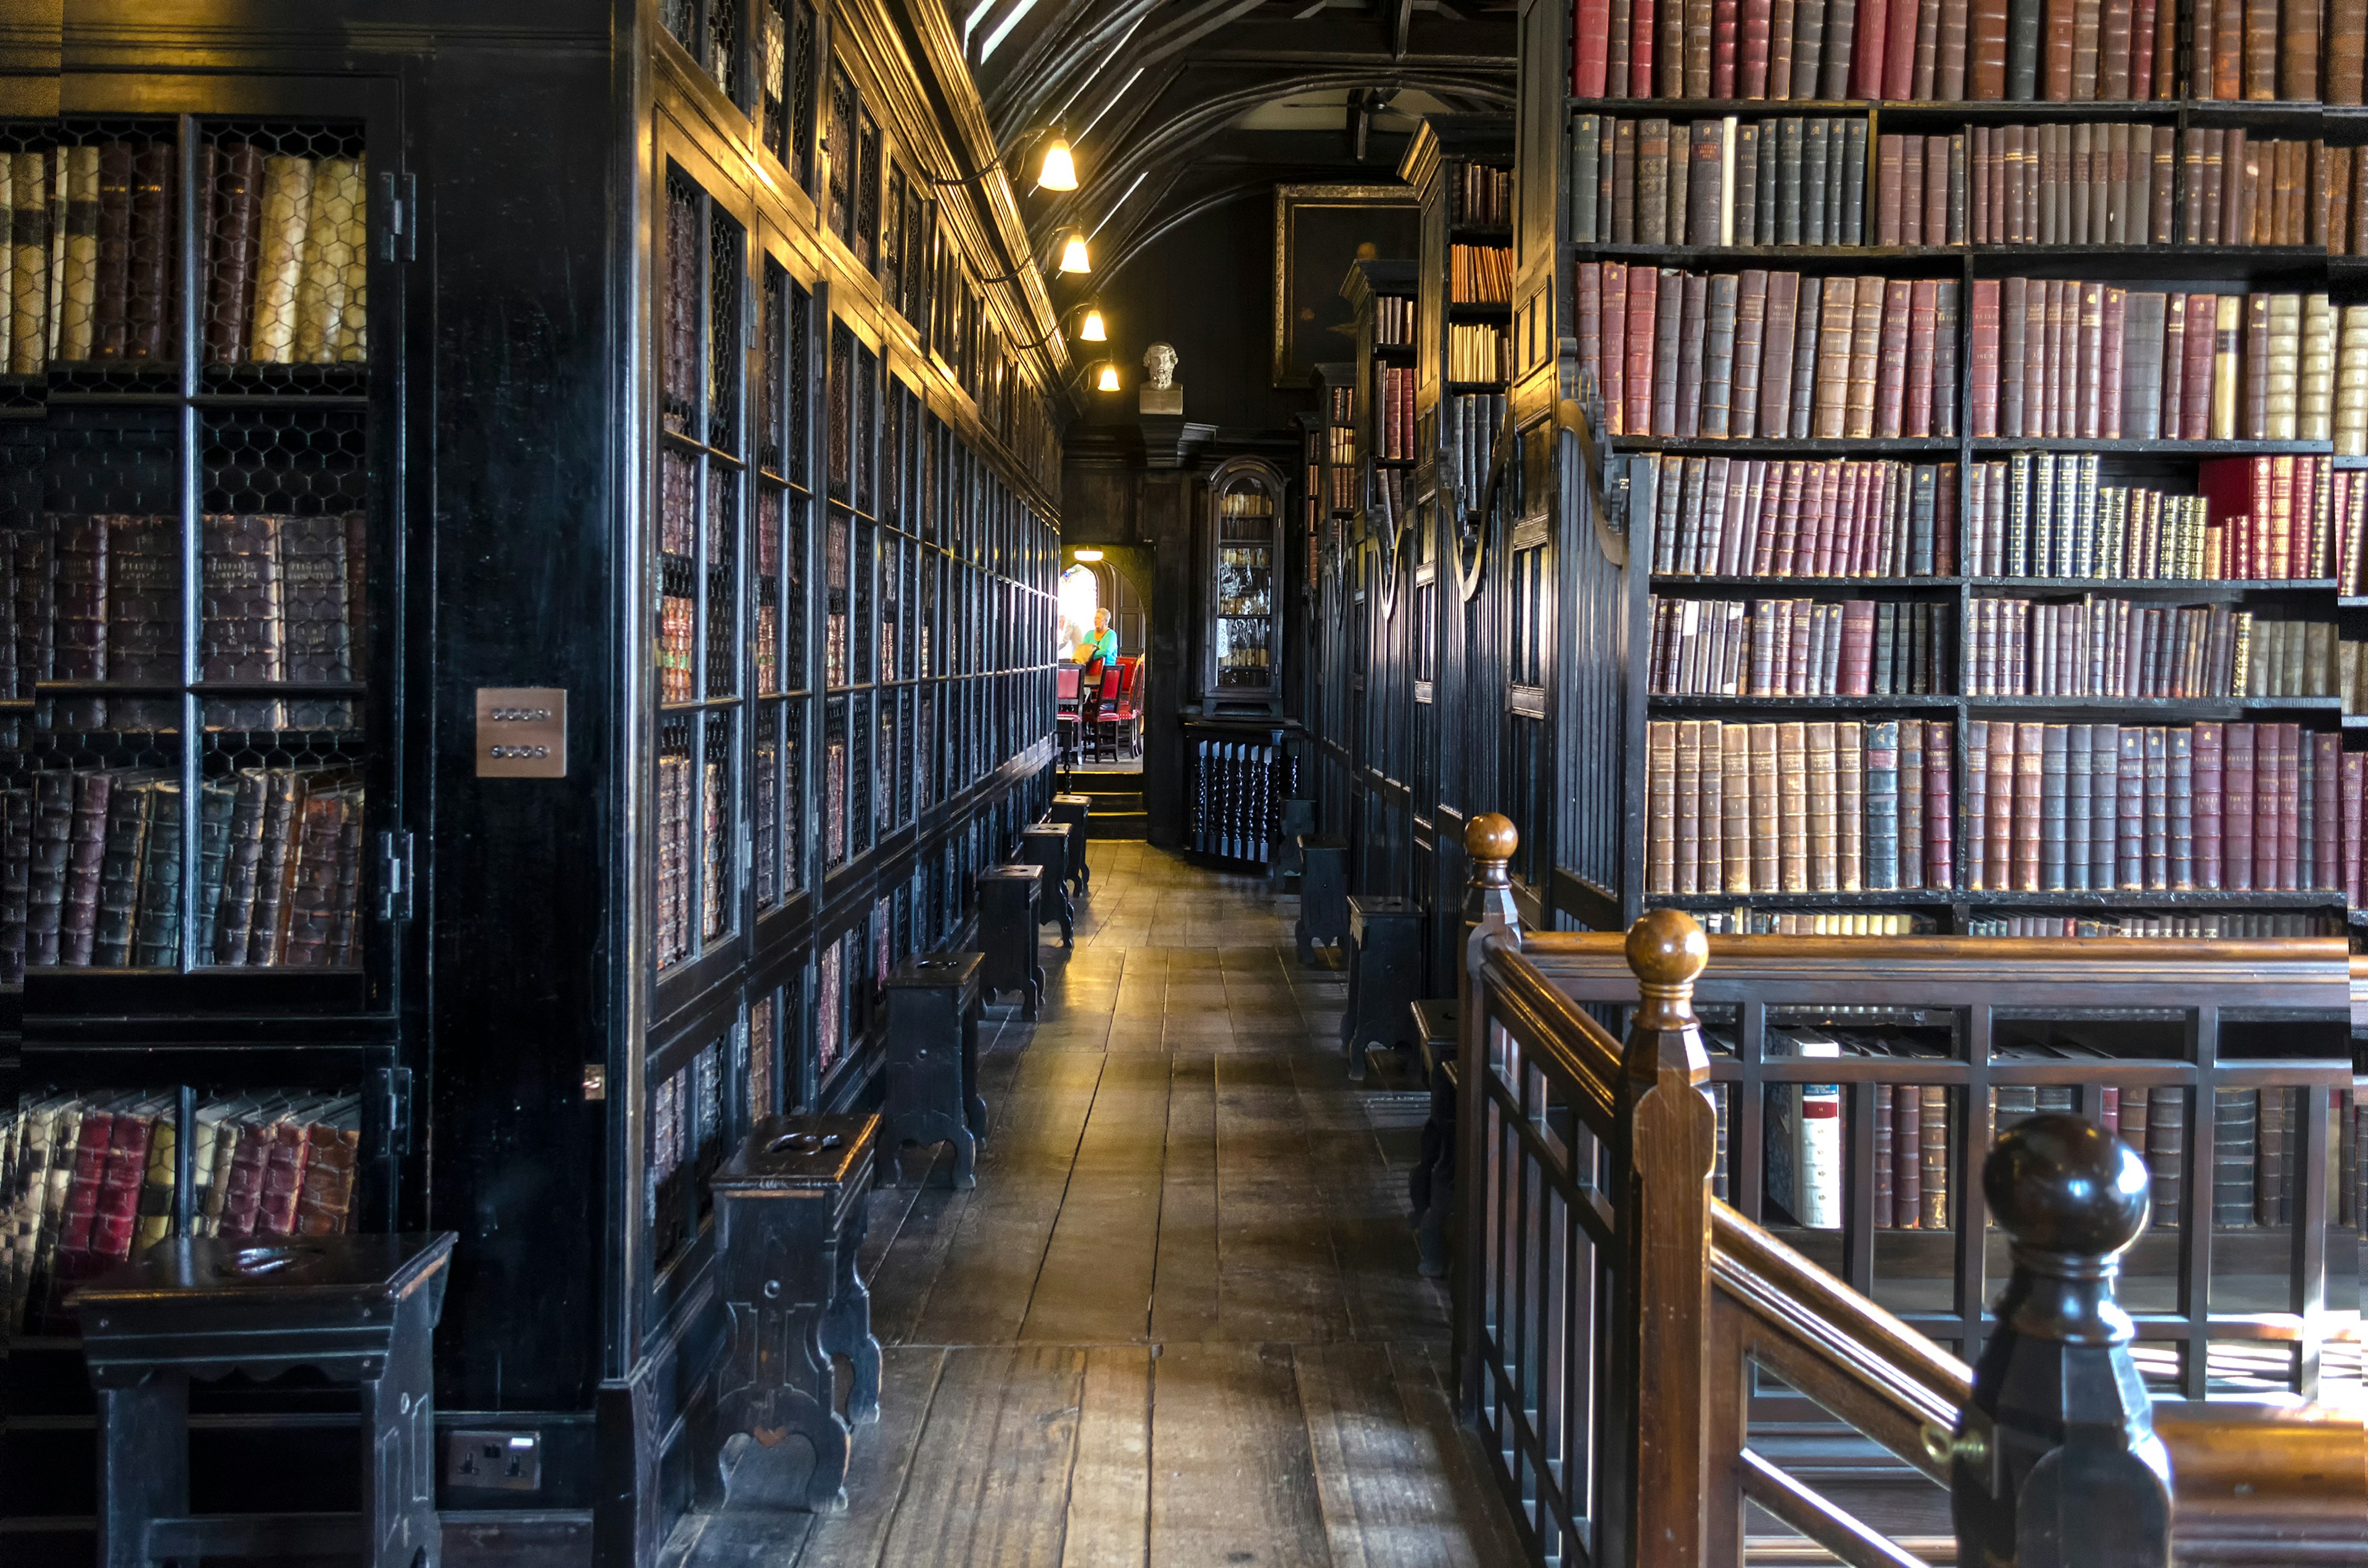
(1611, 1312)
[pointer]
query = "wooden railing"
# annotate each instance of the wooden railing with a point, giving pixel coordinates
(1611, 1312)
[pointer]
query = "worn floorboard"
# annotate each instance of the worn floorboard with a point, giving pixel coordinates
(1178, 1322)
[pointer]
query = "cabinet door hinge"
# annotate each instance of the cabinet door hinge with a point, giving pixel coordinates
(398, 228)
(395, 875)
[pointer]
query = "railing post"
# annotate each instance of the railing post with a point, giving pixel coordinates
(1672, 1144)
(1489, 841)
(2054, 1463)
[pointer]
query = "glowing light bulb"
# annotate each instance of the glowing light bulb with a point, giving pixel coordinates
(1073, 253)
(1093, 331)
(1109, 381)
(1089, 555)
(1060, 170)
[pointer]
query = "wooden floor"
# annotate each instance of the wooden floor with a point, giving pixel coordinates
(1178, 1322)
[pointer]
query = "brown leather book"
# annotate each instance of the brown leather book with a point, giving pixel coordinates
(2055, 49)
(1985, 72)
(2261, 58)
(2256, 422)
(2299, 50)
(1895, 327)
(2088, 20)
(2114, 49)
(1751, 345)
(1776, 354)
(112, 308)
(1866, 349)
(149, 302)
(236, 204)
(2228, 43)
(1835, 301)
(2347, 52)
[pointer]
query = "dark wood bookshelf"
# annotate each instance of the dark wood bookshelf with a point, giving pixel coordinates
(523, 1066)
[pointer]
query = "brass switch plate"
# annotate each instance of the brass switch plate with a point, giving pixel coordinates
(521, 731)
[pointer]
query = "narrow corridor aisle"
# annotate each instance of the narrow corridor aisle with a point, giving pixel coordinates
(1178, 1322)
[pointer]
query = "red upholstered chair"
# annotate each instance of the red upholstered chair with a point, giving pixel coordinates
(1116, 725)
(1068, 720)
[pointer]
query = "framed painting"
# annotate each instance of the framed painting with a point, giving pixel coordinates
(1318, 230)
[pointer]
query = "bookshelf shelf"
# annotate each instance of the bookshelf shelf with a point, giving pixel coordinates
(1904, 898)
(1789, 704)
(1809, 584)
(2137, 899)
(2192, 587)
(2159, 707)
(1985, 445)
(1861, 446)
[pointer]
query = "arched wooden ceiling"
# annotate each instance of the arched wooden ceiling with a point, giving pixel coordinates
(1153, 95)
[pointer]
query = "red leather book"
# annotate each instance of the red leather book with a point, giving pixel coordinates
(1869, 56)
(81, 1210)
(283, 1179)
(1779, 517)
(2109, 364)
(2142, 26)
(1759, 21)
(1858, 648)
(2057, 27)
(1899, 49)
(1911, 191)
(1891, 359)
(1997, 810)
(2208, 805)
(1615, 349)
(1590, 45)
(1644, 35)
(1725, 31)
(1644, 289)
(118, 1193)
(2029, 754)
(1832, 518)
(1985, 347)
(2237, 815)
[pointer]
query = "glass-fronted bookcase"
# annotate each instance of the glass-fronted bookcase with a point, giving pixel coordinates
(1243, 657)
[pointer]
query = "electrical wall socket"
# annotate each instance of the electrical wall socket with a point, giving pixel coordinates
(499, 1461)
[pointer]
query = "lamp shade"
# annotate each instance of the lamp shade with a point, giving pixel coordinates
(1073, 253)
(1093, 331)
(1060, 170)
(1109, 381)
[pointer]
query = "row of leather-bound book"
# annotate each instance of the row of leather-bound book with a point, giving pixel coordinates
(89, 274)
(92, 869)
(1867, 806)
(97, 598)
(1981, 51)
(2087, 647)
(1778, 354)
(90, 1178)
(1801, 180)
(1825, 807)
(2256, 1138)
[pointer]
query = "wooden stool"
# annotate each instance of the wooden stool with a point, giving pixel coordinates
(790, 1217)
(1431, 1187)
(933, 1008)
(1298, 822)
(1384, 975)
(357, 1308)
(1074, 809)
(1323, 892)
(1045, 845)
(1007, 934)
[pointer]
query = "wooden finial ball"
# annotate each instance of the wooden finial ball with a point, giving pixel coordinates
(1491, 837)
(2062, 1184)
(1667, 948)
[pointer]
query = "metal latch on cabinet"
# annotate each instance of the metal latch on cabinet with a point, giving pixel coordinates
(398, 233)
(395, 878)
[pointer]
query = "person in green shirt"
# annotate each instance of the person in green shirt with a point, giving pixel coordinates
(1100, 643)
